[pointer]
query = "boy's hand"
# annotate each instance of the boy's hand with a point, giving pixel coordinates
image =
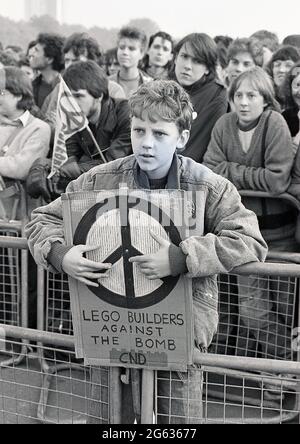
(157, 265)
(82, 269)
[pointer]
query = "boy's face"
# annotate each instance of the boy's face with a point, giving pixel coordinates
(129, 53)
(249, 103)
(242, 61)
(160, 52)
(71, 58)
(154, 145)
(188, 69)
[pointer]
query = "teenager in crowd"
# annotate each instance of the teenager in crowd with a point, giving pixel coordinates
(196, 60)
(157, 63)
(252, 147)
(243, 54)
(132, 44)
(111, 61)
(280, 64)
(270, 43)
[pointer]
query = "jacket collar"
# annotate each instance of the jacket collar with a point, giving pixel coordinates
(106, 120)
(173, 182)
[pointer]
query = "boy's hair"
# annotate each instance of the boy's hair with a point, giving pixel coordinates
(225, 40)
(163, 100)
(252, 46)
(261, 82)
(222, 55)
(23, 62)
(81, 43)
(7, 59)
(286, 87)
(111, 56)
(30, 45)
(19, 84)
(53, 48)
(89, 76)
(286, 52)
(268, 39)
(204, 49)
(130, 32)
(164, 36)
(15, 48)
(293, 40)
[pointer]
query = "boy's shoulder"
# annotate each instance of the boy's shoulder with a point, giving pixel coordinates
(115, 166)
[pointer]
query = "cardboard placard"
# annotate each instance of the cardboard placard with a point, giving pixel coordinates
(129, 320)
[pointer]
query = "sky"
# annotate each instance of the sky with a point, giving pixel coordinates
(236, 18)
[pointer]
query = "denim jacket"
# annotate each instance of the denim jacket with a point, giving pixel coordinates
(231, 234)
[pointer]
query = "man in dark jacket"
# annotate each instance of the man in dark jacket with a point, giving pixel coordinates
(108, 121)
(107, 139)
(196, 60)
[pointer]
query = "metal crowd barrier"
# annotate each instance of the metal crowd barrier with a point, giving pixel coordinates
(277, 286)
(72, 391)
(14, 258)
(13, 285)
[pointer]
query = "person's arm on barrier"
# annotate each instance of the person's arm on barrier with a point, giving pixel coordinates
(274, 177)
(232, 236)
(233, 239)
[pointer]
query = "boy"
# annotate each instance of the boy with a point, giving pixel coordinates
(162, 116)
(132, 44)
(243, 54)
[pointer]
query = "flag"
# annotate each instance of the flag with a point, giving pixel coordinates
(69, 121)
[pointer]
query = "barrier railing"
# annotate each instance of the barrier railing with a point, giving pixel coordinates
(13, 280)
(71, 393)
(273, 280)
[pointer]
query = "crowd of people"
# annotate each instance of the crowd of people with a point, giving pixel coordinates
(245, 124)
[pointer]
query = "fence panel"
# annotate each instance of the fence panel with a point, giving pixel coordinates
(249, 395)
(29, 395)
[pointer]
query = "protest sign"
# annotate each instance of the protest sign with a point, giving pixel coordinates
(129, 320)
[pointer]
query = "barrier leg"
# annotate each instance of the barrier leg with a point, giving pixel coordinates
(147, 397)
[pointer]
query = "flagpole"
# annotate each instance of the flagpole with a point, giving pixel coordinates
(96, 144)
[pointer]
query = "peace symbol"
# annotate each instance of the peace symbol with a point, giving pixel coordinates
(126, 251)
